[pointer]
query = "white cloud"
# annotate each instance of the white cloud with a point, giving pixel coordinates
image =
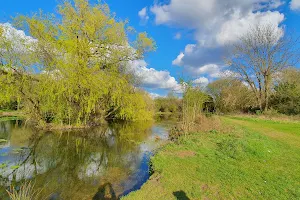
(232, 29)
(201, 81)
(195, 58)
(178, 60)
(20, 41)
(143, 14)
(155, 95)
(295, 5)
(215, 24)
(12, 33)
(195, 14)
(212, 70)
(154, 79)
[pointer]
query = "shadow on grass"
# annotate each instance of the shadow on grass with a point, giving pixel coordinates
(180, 195)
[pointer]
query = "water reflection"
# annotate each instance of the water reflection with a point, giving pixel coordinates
(80, 164)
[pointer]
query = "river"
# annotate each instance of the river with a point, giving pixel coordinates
(78, 165)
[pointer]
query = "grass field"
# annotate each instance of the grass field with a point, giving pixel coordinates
(253, 159)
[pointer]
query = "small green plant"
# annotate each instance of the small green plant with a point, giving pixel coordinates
(258, 112)
(3, 165)
(175, 133)
(214, 131)
(14, 167)
(208, 114)
(3, 140)
(229, 147)
(271, 112)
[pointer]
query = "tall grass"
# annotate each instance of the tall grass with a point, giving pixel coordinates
(25, 192)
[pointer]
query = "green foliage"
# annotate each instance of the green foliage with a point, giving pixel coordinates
(9, 104)
(15, 167)
(3, 165)
(192, 105)
(169, 104)
(286, 98)
(9, 118)
(231, 95)
(82, 57)
(258, 112)
(3, 140)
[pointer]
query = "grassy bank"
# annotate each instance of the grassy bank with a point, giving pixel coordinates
(10, 114)
(254, 159)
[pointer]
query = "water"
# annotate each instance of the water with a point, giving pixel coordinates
(78, 164)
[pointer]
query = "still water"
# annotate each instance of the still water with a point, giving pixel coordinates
(79, 164)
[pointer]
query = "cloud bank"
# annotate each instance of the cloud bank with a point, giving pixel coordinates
(215, 24)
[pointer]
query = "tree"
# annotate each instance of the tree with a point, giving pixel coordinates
(259, 55)
(231, 95)
(76, 68)
(169, 104)
(193, 102)
(286, 96)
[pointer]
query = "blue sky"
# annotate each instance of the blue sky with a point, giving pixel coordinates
(191, 35)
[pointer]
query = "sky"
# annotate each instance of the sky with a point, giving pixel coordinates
(192, 36)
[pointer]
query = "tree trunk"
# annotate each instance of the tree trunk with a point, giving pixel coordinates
(260, 95)
(266, 77)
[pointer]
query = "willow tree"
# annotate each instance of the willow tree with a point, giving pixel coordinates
(259, 55)
(77, 69)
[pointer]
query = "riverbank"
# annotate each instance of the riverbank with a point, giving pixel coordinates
(10, 113)
(251, 159)
(6, 115)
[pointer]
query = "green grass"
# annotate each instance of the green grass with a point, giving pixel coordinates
(287, 132)
(6, 115)
(248, 162)
(9, 118)
(283, 126)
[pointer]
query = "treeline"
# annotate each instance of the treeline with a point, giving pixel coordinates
(74, 69)
(235, 96)
(229, 96)
(172, 104)
(232, 95)
(168, 105)
(261, 76)
(263, 73)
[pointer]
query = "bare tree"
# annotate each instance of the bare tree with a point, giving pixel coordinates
(259, 55)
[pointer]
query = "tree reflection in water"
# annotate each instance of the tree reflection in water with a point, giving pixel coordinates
(79, 164)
